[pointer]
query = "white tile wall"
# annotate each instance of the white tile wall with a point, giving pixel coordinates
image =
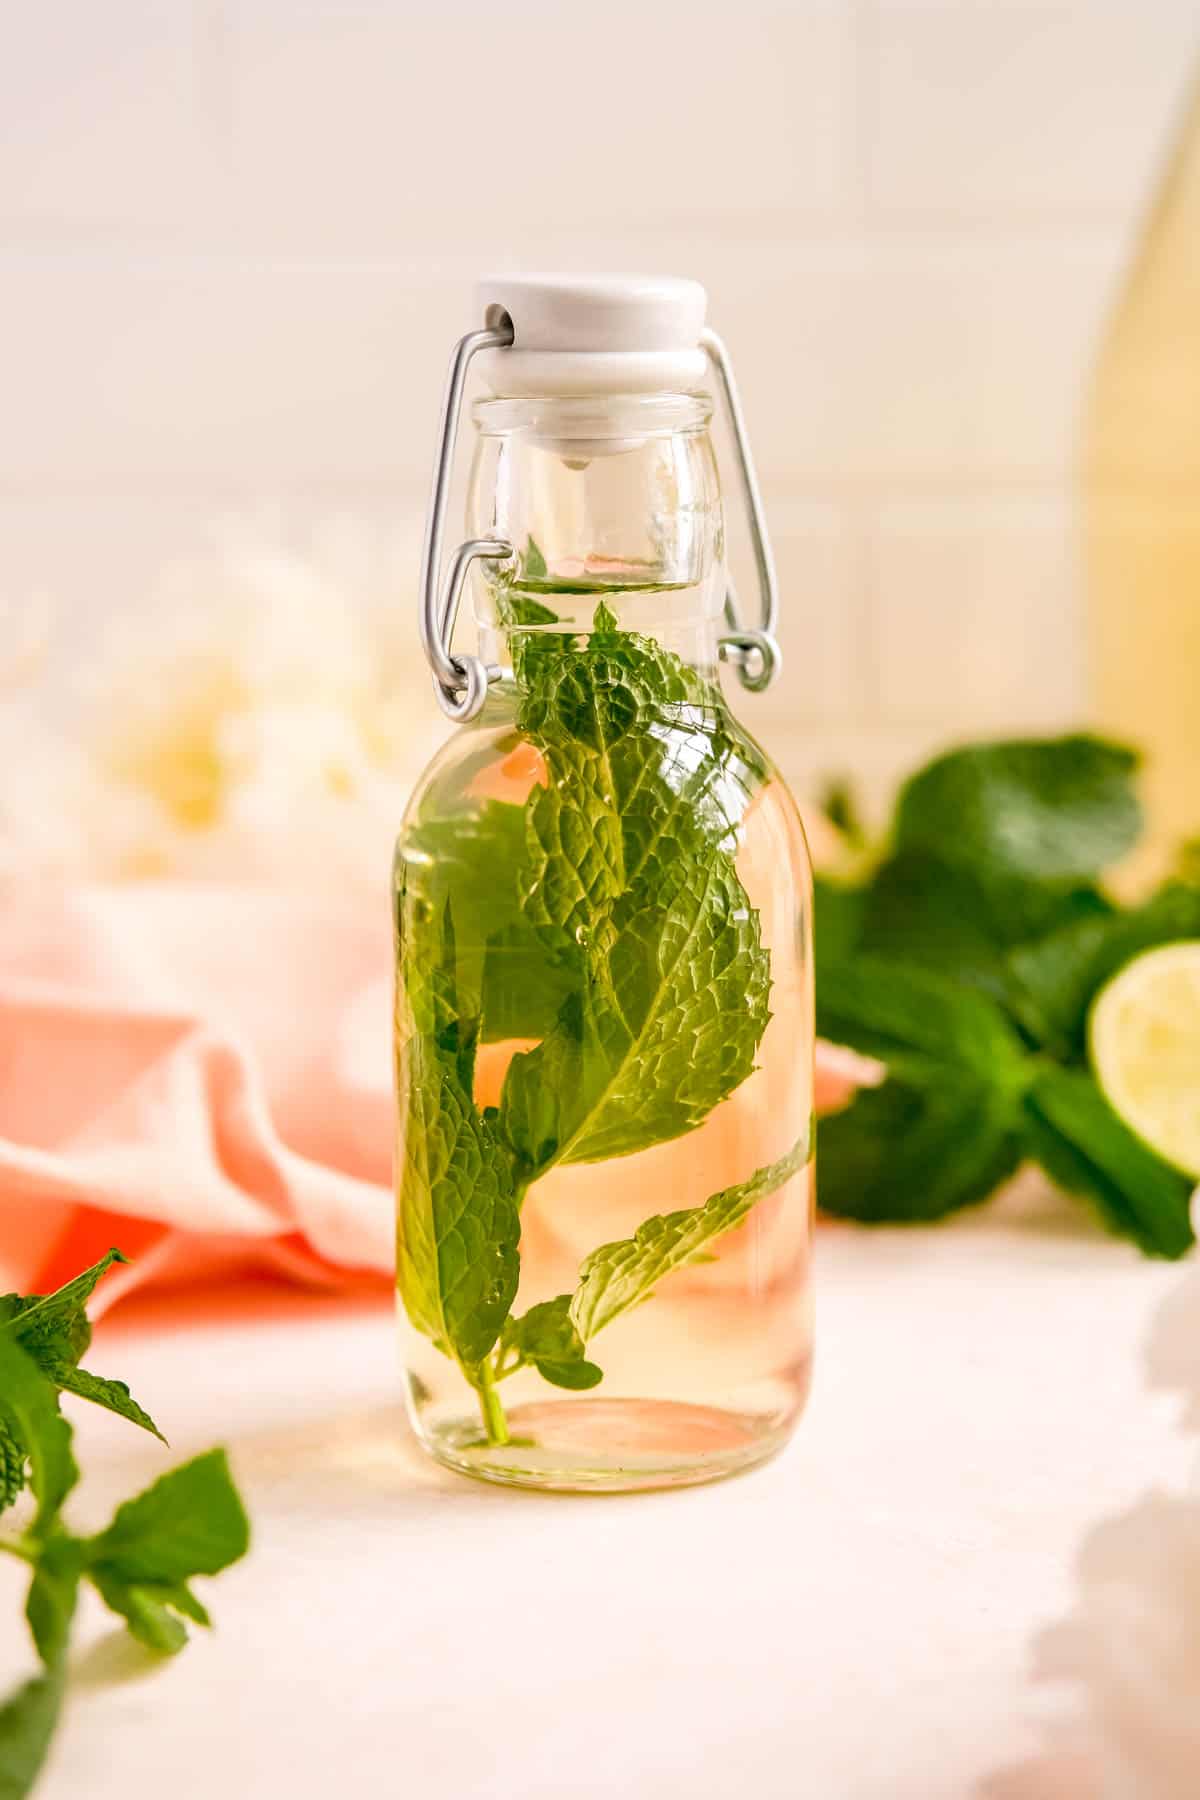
(375, 125)
(972, 603)
(237, 238)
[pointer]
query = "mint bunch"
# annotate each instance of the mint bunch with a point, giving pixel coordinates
(189, 1523)
(967, 960)
(604, 919)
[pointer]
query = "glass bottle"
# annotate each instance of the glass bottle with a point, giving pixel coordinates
(604, 1017)
(1142, 478)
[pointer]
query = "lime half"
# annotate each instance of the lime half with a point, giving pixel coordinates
(1144, 1040)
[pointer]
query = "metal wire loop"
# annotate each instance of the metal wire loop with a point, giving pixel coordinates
(460, 682)
(756, 656)
(756, 653)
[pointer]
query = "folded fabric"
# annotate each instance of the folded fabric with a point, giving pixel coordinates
(201, 1075)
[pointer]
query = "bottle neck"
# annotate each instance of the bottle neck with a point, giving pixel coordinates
(607, 500)
(686, 621)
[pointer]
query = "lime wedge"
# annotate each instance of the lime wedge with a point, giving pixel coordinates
(1144, 1042)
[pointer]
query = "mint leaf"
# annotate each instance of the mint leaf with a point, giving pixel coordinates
(534, 563)
(944, 1130)
(919, 1021)
(114, 1396)
(1048, 810)
(27, 1721)
(56, 1324)
(670, 1026)
(629, 857)
(914, 1150)
(546, 1337)
(190, 1522)
(1063, 973)
(50, 1606)
(921, 908)
(55, 1331)
(152, 1611)
(1088, 1150)
(638, 748)
(29, 1408)
(621, 1275)
(838, 913)
(458, 1230)
(505, 973)
(12, 1464)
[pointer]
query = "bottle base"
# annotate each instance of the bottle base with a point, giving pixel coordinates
(593, 1446)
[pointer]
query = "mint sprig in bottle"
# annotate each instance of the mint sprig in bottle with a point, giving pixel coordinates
(602, 905)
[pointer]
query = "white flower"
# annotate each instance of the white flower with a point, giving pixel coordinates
(264, 718)
(1133, 1643)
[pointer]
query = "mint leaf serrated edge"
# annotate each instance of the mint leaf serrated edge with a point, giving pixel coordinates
(55, 1331)
(619, 1276)
(616, 1277)
(12, 1464)
(59, 1319)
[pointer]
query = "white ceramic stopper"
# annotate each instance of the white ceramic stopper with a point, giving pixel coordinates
(594, 334)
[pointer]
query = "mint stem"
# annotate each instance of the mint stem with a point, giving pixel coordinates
(494, 1421)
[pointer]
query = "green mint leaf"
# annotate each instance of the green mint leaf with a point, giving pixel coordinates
(638, 749)
(524, 983)
(960, 920)
(629, 857)
(190, 1522)
(114, 1396)
(546, 1337)
(152, 1611)
(534, 563)
(505, 973)
(27, 1721)
(944, 1130)
(838, 913)
(1054, 810)
(1087, 1149)
(12, 1464)
(919, 1020)
(56, 1324)
(621, 1275)
(50, 1606)
(54, 1330)
(1063, 973)
(29, 1407)
(670, 1027)
(458, 1229)
(914, 1150)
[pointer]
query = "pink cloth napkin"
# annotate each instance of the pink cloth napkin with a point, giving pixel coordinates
(202, 1076)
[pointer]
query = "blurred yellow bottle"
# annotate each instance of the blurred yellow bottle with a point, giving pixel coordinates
(1142, 474)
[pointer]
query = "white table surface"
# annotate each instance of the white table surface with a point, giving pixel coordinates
(851, 1622)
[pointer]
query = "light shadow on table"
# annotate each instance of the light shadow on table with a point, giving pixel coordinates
(348, 1463)
(114, 1659)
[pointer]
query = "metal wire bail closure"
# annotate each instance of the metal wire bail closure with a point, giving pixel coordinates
(755, 654)
(460, 682)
